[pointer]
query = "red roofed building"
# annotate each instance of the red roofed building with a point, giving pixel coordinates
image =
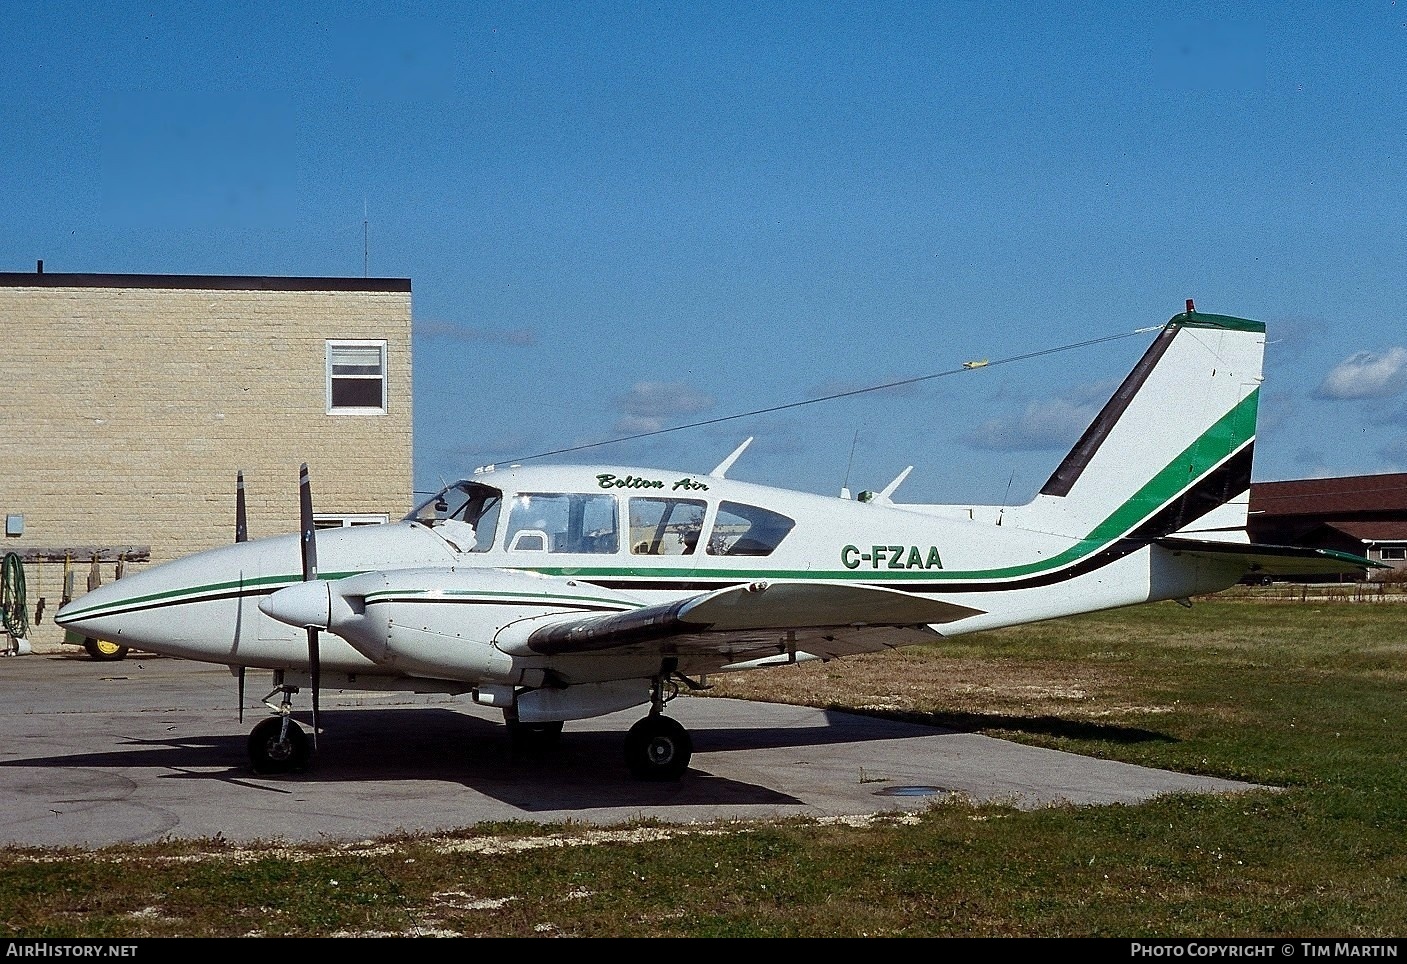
(1362, 514)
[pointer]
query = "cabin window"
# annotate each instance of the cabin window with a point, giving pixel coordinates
(747, 530)
(1394, 552)
(356, 378)
(562, 523)
(665, 527)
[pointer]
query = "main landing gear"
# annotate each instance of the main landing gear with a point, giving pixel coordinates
(658, 747)
(277, 744)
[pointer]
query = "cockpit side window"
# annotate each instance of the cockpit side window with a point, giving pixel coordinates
(562, 522)
(463, 503)
(747, 530)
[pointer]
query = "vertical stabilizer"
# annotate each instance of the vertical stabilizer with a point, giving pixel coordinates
(1171, 451)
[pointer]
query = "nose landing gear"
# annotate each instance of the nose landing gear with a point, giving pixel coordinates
(277, 744)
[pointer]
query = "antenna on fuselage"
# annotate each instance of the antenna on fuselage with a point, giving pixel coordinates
(888, 490)
(845, 486)
(727, 463)
(1006, 497)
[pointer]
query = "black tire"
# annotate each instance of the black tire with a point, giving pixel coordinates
(658, 748)
(269, 752)
(104, 651)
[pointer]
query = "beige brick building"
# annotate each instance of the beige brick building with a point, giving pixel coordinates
(131, 402)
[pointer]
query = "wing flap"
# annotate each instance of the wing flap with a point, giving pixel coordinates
(1274, 560)
(783, 605)
(746, 619)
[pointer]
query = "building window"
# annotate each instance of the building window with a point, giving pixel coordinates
(329, 521)
(1394, 552)
(356, 377)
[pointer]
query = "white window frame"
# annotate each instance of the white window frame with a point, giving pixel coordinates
(334, 343)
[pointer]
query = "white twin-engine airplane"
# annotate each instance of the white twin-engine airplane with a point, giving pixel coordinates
(569, 592)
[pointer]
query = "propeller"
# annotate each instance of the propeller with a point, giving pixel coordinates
(310, 574)
(241, 535)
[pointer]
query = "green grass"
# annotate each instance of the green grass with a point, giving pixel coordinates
(1307, 698)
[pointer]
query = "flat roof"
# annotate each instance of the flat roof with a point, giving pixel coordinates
(216, 282)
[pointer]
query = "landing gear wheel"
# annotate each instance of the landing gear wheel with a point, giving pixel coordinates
(658, 748)
(534, 736)
(271, 752)
(104, 651)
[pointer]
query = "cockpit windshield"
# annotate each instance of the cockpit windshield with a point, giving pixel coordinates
(463, 503)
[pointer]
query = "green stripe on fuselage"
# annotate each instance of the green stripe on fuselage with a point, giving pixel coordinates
(1211, 449)
(179, 596)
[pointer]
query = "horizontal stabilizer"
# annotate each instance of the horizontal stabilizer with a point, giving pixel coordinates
(1274, 560)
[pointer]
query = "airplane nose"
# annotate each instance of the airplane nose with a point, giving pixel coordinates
(114, 611)
(305, 604)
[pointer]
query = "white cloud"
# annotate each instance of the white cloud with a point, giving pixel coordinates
(1052, 424)
(651, 406)
(1366, 374)
(659, 399)
(638, 425)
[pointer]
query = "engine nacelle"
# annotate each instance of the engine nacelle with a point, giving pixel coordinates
(582, 701)
(440, 623)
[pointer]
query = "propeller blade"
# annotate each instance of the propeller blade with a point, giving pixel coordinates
(241, 519)
(241, 535)
(314, 671)
(305, 507)
(310, 574)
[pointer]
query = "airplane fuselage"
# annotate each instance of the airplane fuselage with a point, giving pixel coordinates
(612, 539)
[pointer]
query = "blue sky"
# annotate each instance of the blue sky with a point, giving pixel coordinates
(625, 217)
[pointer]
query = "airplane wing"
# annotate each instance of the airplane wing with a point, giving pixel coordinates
(756, 619)
(1274, 560)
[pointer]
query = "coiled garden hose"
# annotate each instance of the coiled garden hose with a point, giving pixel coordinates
(12, 601)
